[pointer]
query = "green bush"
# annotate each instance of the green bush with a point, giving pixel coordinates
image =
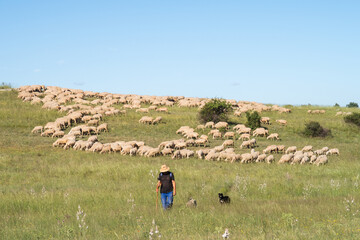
(336, 105)
(352, 105)
(253, 120)
(314, 129)
(215, 110)
(354, 118)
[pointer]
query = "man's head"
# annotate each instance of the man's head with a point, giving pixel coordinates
(164, 168)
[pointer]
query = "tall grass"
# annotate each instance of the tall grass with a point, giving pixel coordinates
(42, 187)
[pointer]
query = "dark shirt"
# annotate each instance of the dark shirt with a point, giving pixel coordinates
(166, 179)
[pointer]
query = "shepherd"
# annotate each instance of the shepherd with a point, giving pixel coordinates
(166, 183)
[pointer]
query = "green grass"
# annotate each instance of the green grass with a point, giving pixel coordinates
(41, 186)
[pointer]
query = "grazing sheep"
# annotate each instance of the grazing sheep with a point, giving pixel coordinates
(200, 127)
(307, 148)
(282, 122)
(246, 144)
(70, 143)
(273, 136)
(48, 133)
(280, 148)
(212, 155)
(244, 136)
(58, 134)
(37, 129)
(228, 143)
(210, 125)
(162, 109)
(252, 142)
(217, 135)
(213, 131)
(190, 142)
(286, 158)
(260, 132)
(269, 159)
(146, 120)
(157, 120)
(96, 147)
(222, 125)
(219, 148)
(333, 151)
(244, 130)
(261, 158)
(291, 149)
(106, 148)
(142, 110)
(270, 149)
(321, 160)
(246, 158)
(239, 126)
(200, 142)
(229, 135)
(265, 120)
(167, 151)
(254, 154)
(93, 122)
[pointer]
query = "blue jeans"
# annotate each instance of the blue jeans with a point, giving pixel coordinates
(167, 200)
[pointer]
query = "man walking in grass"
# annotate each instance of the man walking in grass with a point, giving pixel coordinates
(166, 183)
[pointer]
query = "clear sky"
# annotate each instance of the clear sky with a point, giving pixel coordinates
(269, 51)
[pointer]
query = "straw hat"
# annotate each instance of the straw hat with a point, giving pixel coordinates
(164, 168)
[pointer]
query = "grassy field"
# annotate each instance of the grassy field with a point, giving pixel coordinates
(42, 187)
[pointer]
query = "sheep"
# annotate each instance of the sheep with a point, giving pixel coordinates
(227, 143)
(244, 130)
(162, 109)
(286, 158)
(246, 144)
(200, 142)
(142, 110)
(229, 135)
(106, 148)
(157, 120)
(244, 136)
(297, 157)
(254, 154)
(265, 120)
(146, 120)
(322, 159)
(48, 133)
(219, 148)
(260, 132)
(333, 151)
(269, 159)
(93, 139)
(96, 147)
(246, 158)
(261, 158)
(60, 142)
(86, 119)
(252, 142)
(126, 149)
(273, 136)
(282, 122)
(270, 149)
(153, 152)
(280, 148)
(115, 147)
(291, 149)
(307, 148)
(70, 143)
(37, 129)
(58, 134)
(180, 145)
(209, 125)
(93, 122)
(239, 126)
(222, 125)
(217, 135)
(213, 131)
(167, 151)
(190, 142)
(200, 127)
(212, 155)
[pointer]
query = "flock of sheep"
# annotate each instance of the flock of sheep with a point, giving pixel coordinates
(84, 118)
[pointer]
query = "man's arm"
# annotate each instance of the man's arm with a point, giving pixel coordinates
(174, 187)
(158, 186)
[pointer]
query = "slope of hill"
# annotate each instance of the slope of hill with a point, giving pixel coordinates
(42, 186)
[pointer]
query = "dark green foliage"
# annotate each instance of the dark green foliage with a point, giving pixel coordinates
(352, 105)
(336, 105)
(253, 120)
(5, 85)
(216, 110)
(353, 118)
(314, 129)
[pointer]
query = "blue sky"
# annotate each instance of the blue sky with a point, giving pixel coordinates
(281, 52)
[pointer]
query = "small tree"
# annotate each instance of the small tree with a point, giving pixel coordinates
(336, 105)
(353, 118)
(253, 120)
(314, 129)
(215, 110)
(352, 105)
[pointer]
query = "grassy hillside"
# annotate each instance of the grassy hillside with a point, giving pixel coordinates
(42, 187)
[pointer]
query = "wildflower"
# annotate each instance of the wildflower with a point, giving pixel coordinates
(80, 217)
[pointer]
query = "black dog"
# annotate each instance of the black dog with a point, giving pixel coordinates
(223, 199)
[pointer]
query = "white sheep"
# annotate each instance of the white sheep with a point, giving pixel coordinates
(273, 136)
(282, 122)
(37, 129)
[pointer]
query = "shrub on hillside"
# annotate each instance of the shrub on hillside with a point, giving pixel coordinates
(314, 129)
(352, 105)
(336, 105)
(215, 110)
(353, 118)
(253, 120)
